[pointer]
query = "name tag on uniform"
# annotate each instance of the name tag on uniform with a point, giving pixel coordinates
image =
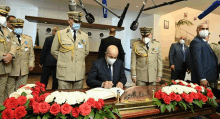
(8, 40)
(26, 49)
(80, 46)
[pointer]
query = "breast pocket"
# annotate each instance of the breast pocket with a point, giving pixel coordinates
(155, 52)
(67, 42)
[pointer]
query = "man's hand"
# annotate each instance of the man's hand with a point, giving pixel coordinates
(31, 68)
(40, 65)
(189, 71)
(119, 85)
(158, 79)
(134, 79)
(204, 83)
(172, 67)
(7, 58)
(107, 84)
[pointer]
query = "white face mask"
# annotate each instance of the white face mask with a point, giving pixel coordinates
(203, 33)
(110, 61)
(146, 40)
(182, 41)
(3, 21)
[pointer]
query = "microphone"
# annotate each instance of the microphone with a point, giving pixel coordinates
(209, 9)
(123, 15)
(89, 17)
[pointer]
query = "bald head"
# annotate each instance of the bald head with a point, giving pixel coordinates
(183, 37)
(54, 30)
(112, 52)
(112, 32)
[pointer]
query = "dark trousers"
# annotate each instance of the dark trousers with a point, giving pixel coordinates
(47, 70)
(179, 74)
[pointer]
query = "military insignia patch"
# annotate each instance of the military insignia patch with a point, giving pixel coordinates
(26, 42)
(7, 8)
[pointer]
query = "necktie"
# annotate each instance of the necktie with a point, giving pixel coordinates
(18, 36)
(184, 55)
(1, 30)
(110, 72)
(74, 36)
(147, 46)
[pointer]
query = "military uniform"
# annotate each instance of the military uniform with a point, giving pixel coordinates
(6, 47)
(146, 64)
(70, 55)
(24, 59)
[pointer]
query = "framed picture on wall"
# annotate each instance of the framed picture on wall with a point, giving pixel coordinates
(166, 24)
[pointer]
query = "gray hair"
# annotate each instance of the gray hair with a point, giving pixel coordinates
(198, 26)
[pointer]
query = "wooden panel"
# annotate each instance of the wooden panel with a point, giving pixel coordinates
(65, 22)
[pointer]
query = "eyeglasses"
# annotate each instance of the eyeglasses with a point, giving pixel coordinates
(205, 28)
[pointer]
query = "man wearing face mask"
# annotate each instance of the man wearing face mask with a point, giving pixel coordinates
(107, 72)
(204, 61)
(179, 57)
(10, 17)
(7, 51)
(70, 47)
(146, 59)
(24, 61)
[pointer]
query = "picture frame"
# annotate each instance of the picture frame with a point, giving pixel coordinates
(166, 24)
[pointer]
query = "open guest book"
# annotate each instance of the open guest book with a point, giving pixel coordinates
(103, 93)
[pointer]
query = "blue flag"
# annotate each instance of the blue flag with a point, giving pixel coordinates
(105, 11)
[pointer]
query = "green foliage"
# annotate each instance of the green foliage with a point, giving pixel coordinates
(162, 108)
(157, 102)
(23, 94)
(27, 104)
(2, 108)
(198, 103)
(92, 114)
(184, 22)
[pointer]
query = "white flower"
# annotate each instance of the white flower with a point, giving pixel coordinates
(177, 81)
(20, 90)
(202, 89)
(49, 98)
(80, 98)
(60, 100)
(29, 96)
(28, 92)
(14, 94)
(71, 100)
(30, 85)
(179, 90)
(185, 83)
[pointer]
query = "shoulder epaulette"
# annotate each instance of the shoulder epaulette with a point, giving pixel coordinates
(215, 43)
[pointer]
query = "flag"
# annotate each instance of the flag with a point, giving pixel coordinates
(105, 11)
(37, 39)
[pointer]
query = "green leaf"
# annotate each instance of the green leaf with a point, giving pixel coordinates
(155, 99)
(1, 115)
(27, 103)
(202, 102)
(174, 103)
(162, 108)
(214, 98)
(45, 117)
(38, 117)
(191, 107)
(62, 117)
(33, 117)
(158, 103)
(214, 102)
(86, 117)
(172, 106)
(2, 108)
(116, 111)
(28, 116)
(211, 104)
(79, 117)
(190, 104)
(23, 94)
(197, 103)
(168, 108)
(97, 116)
(91, 115)
(182, 104)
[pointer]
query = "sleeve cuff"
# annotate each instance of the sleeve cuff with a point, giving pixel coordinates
(134, 76)
(203, 79)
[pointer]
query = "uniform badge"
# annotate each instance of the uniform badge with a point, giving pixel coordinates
(154, 49)
(8, 39)
(26, 42)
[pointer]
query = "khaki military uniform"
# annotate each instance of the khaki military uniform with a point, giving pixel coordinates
(146, 64)
(6, 47)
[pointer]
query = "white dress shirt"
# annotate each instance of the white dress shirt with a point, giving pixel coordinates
(207, 42)
(72, 31)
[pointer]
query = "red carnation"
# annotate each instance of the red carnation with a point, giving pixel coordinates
(172, 96)
(181, 83)
(210, 94)
(91, 102)
(165, 84)
(204, 98)
(36, 108)
(20, 112)
(198, 88)
(31, 102)
(102, 102)
(75, 112)
(22, 100)
(167, 99)
(183, 95)
(200, 95)
(174, 83)
(4, 103)
(178, 98)
(66, 109)
(157, 95)
(208, 90)
(188, 85)
(189, 98)
(163, 95)
(11, 103)
(8, 114)
(98, 105)
(55, 109)
(21, 86)
(85, 109)
(194, 95)
(44, 107)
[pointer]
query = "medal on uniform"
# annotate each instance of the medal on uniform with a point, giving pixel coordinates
(26, 42)
(8, 39)
(80, 46)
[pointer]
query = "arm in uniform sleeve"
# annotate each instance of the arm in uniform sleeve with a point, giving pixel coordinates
(171, 55)
(55, 47)
(13, 50)
(133, 62)
(159, 62)
(87, 45)
(1, 55)
(31, 56)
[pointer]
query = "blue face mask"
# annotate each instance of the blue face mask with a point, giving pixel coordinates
(76, 26)
(18, 31)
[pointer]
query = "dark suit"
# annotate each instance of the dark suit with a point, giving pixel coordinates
(204, 61)
(111, 40)
(99, 73)
(176, 57)
(49, 63)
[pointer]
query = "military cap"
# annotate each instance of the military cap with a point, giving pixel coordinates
(4, 9)
(17, 22)
(146, 30)
(75, 15)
